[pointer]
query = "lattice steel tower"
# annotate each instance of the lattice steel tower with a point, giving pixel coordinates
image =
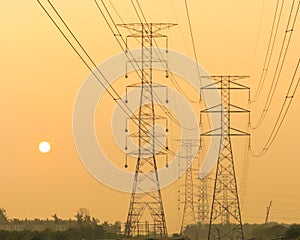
(189, 216)
(225, 217)
(203, 207)
(146, 166)
(203, 181)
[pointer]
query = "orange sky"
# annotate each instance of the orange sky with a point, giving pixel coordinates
(40, 77)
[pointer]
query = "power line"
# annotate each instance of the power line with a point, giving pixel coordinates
(126, 49)
(269, 52)
(258, 34)
(282, 114)
(193, 42)
(171, 74)
(73, 47)
(116, 98)
(114, 8)
(281, 59)
(177, 20)
(173, 79)
(195, 57)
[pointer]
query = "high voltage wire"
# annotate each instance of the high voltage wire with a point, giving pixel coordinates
(177, 86)
(181, 31)
(285, 106)
(119, 16)
(193, 42)
(171, 74)
(126, 49)
(116, 98)
(194, 51)
(116, 11)
(73, 47)
(195, 56)
(173, 79)
(146, 22)
(131, 62)
(282, 114)
(281, 60)
(166, 111)
(270, 49)
(258, 34)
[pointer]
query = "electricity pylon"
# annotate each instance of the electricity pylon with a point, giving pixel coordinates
(189, 216)
(203, 207)
(146, 174)
(225, 217)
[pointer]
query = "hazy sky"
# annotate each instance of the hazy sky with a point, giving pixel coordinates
(41, 75)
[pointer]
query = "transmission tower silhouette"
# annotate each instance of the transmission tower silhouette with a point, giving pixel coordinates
(203, 207)
(188, 215)
(225, 217)
(146, 175)
(203, 185)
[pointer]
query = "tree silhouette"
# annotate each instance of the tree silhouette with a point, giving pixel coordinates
(55, 218)
(83, 215)
(3, 216)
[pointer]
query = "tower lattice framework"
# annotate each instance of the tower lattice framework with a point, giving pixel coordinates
(189, 216)
(203, 207)
(225, 217)
(146, 175)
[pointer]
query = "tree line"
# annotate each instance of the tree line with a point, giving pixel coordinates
(272, 230)
(82, 226)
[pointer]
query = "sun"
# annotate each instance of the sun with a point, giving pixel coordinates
(44, 147)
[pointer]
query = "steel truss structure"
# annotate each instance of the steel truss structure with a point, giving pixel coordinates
(225, 217)
(146, 166)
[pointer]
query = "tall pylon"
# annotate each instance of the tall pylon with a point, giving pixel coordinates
(225, 217)
(188, 215)
(146, 174)
(203, 183)
(203, 207)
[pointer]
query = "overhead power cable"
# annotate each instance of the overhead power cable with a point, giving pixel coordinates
(259, 30)
(135, 66)
(270, 49)
(125, 48)
(195, 55)
(294, 84)
(173, 79)
(165, 66)
(280, 63)
(111, 91)
(193, 43)
(180, 27)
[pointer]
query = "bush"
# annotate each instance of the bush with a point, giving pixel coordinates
(293, 232)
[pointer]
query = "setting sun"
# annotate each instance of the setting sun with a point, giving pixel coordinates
(44, 147)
